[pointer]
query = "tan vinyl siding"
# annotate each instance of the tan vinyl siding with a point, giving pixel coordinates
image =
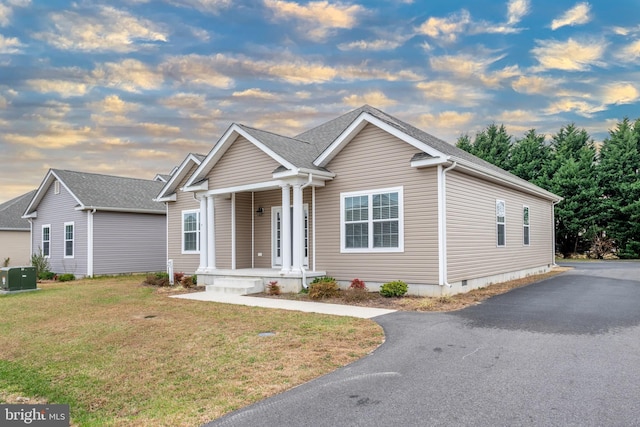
(15, 246)
(243, 163)
(373, 160)
(471, 229)
(243, 230)
(186, 263)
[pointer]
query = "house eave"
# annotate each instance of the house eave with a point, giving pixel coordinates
(121, 210)
(304, 173)
(199, 186)
(490, 175)
(172, 198)
(425, 163)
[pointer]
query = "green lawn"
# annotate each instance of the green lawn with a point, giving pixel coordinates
(122, 354)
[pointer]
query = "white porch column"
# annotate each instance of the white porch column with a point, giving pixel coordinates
(298, 230)
(211, 234)
(285, 237)
(203, 234)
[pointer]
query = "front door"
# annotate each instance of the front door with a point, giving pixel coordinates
(276, 235)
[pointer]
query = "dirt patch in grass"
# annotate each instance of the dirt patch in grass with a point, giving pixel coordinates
(123, 354)
(443, 303)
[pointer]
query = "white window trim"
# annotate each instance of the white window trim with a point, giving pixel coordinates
(527, 226)
(42, 239)
(503, 223)
(73, 240)
(182, 250)
(369, 193)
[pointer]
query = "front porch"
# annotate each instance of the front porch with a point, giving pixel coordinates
(258, 233)
(247, 281)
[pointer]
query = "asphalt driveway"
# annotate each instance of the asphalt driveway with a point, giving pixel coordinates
(562, 352)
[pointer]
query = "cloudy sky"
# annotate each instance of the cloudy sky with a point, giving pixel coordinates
(129, 87)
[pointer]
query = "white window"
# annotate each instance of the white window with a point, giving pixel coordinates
(190, 232)
(46, 240)
(525, 225)
(501, 228)
(372, 221)
(68, 239)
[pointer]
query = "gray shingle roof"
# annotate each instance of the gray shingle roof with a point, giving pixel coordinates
(112, 192)
(12, 210)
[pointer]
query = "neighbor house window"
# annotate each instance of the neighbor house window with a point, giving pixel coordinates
(190, 231)
(371, 221)
(525, 225)
(46, 240)
(68, 239)
(501, 229)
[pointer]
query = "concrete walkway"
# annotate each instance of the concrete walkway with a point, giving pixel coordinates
(283, 304)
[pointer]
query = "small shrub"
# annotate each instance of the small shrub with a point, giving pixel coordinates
(187, 282)
(6, 261)
(356, 294)
(195, 279)
(396, 288)
(66, 277)
(40, 262)
(445, 299)
(357, 284)
(320, 289)
(177, 277)
(46, 275)
(273, 288)
(157, 279)
(323, 279)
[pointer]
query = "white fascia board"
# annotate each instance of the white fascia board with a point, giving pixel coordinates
(266, 185)
(172, 198)
(202, 186)
(525, 186)
(177, 175)
(32, 215)
(425, 163)
(357, 125)
(303, 172)
(110, 209)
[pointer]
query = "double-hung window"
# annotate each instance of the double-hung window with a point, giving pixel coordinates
(525, 225)
(372, 221)
(46, 240)
(190, 231)
(501, 227)
(68, 239)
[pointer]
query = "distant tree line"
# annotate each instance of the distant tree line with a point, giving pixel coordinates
(600, 185)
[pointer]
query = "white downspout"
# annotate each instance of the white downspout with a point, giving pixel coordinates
(305, 185)
(90, 242)
(233, 231)
(553, 233)
(442, 223)
(30, 237)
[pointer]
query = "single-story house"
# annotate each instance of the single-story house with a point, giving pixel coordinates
(15, 249)
(183, 218)
(364, 195)
(91, 224)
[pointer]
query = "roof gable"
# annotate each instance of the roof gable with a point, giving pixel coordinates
(229, 137)
(167, 193)
(102, 192)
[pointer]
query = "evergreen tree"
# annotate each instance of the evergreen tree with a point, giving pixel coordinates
(571, 173)
(530, 157)
(619, 179)
(493, 144)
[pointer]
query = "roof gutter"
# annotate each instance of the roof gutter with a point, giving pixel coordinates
(124, 210)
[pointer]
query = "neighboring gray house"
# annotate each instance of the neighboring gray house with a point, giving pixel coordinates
(363, 196)
(91, 224)
(15, 232)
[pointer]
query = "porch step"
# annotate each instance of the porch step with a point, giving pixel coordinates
(236, 285)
